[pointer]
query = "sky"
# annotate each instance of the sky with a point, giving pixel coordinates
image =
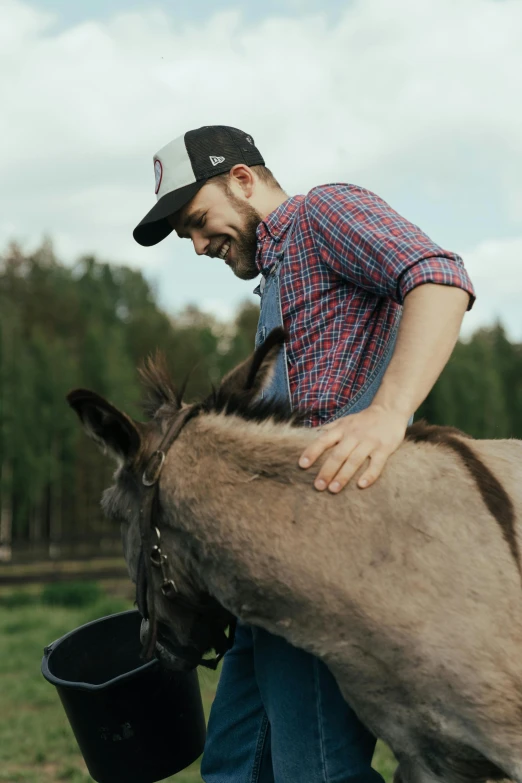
(416, 100)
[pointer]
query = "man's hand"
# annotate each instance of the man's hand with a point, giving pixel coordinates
(375, 433)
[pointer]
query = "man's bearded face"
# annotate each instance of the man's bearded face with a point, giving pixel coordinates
(221, 225)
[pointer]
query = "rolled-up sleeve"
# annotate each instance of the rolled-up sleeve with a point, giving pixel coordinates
(365, 241)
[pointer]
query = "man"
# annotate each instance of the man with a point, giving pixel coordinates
(373, 309)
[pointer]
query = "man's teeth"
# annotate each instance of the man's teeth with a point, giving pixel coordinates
(224, 250)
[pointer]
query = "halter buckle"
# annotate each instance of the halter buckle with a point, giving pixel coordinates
(161, 561)
(168, 588)
(155, 556)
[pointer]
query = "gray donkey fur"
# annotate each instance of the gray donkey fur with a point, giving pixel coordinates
(410, 590)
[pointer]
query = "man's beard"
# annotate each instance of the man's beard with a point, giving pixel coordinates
(244, 264)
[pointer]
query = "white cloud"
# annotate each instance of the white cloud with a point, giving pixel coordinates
(414, 100)
(495, 268)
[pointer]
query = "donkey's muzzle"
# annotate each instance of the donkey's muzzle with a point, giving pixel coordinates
(172, 656)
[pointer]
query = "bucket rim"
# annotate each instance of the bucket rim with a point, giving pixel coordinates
(86, 686)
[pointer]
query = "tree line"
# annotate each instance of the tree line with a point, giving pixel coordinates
(91, 324)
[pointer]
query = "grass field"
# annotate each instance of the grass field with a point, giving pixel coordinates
(36, 742)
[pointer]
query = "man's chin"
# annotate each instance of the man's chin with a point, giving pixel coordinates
(245, 274)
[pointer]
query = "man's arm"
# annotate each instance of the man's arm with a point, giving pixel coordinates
(429, 328)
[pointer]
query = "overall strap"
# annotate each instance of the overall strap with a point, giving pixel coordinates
(279, 255)
(288, 239)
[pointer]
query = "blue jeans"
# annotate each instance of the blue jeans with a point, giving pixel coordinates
(279, 717)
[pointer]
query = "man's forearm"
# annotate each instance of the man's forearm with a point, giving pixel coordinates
(429, 329)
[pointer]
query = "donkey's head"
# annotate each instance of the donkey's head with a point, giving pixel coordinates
(181, 621)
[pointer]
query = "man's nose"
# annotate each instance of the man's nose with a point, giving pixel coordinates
(200, 245)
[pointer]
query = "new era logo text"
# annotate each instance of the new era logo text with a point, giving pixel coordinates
(215, 160)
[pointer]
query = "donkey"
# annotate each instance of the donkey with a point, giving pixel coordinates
(410, 590)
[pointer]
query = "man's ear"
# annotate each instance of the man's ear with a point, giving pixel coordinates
(113, 430)
(255, 374)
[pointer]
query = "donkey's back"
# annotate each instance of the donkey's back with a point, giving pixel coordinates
(441, 589)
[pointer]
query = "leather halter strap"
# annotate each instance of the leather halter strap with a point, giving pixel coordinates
(152, 556)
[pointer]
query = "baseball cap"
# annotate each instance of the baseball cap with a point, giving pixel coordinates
(184, 165)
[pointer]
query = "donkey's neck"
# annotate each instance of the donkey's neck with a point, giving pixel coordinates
(253, 518)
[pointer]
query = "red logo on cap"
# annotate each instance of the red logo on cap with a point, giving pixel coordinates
(158, 173)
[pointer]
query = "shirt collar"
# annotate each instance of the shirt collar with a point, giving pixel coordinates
(276, 224)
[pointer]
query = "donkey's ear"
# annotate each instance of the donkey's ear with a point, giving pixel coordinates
(110, 428)
(255, 373)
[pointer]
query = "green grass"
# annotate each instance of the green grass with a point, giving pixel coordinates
(36, 741)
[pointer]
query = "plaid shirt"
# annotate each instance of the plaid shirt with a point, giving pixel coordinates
(350, 263)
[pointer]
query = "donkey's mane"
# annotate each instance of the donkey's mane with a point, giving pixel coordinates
(161, 391)
(242, 406)
(159, 388)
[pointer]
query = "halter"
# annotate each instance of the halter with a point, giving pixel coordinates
(159, 560)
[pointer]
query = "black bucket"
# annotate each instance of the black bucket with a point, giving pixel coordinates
(135, 722)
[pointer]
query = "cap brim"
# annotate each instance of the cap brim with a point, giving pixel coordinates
(154, 227)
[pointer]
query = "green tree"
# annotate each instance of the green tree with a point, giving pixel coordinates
(93, 323)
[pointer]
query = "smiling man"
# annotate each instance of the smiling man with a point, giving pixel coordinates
(373, 310)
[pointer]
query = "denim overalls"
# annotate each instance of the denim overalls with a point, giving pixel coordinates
(278, 715)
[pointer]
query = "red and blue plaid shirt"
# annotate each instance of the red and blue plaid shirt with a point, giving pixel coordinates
(350, 263)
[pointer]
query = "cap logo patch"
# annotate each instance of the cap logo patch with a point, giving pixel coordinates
(158, 173)
(249, 139)
(215, 159)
